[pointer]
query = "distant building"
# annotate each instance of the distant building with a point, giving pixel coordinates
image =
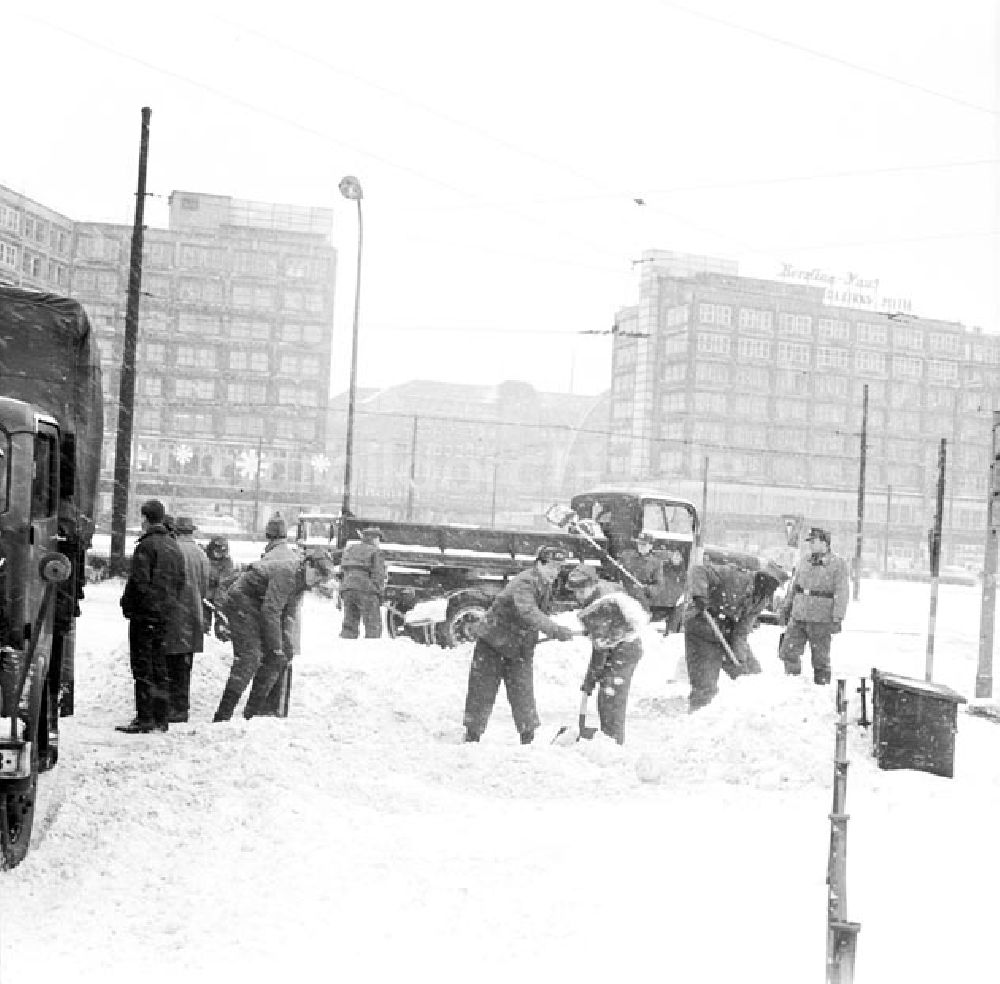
(448, 452)
(36, 244)
(233, 357)
(761, 383)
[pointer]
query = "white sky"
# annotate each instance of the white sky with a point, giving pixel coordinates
(500, 149)
(360, 840)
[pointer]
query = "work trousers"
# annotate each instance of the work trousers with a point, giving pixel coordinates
(250, 664)
(179, 684)
(487, 670)
(613, 682)
(793, 645)
(358, 606)
(146, 638)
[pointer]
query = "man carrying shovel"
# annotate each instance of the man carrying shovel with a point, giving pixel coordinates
(725, 603)
(613, 621)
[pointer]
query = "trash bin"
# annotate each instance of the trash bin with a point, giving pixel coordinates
(914, 724)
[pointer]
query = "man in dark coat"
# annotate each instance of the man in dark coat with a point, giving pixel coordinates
(733, 599)
(505, 647)
(362, 584)
(152, 592)
(613, 620)
(262, 608)
(814, 607)
(185, 631)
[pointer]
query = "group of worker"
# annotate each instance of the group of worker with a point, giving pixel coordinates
(725, 604)
(175, 591)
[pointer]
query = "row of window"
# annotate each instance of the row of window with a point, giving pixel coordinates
(760, 321)
(200, 256)
(209, 390)
(185, 424)
(35, 229)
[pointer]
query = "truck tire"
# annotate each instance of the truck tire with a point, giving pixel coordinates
(465, 612)
(17, 813)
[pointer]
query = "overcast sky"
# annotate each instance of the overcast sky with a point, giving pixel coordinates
(501, 147)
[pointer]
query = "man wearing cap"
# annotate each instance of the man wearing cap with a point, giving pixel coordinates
(151, 595)
(186, 628)
(814, 607)
(613, 620)
(727, 600)
(505, 647)
(362, 584)
(262, 606)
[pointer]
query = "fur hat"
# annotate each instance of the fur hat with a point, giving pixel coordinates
(276, 528)
(818, 533)
(153, 510)
(184, 524)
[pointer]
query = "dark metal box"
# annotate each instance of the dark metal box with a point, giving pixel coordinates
(914, 724)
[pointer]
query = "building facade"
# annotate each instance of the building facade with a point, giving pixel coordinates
(748, 395)
(233, 349)
(454, 453)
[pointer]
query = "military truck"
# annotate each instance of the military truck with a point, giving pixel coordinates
(443, 577)
(51, 426)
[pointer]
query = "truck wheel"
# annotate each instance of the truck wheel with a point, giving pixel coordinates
(465, 613)
(17, 812)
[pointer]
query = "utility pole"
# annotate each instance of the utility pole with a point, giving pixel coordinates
(413, 470)
(493, 507)
(885, 546)
(987, 611)
(704, 495)
(861, 495)
(256, 484)
(126, 387)
(934, 551)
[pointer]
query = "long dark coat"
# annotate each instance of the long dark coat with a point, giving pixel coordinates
(185, 630)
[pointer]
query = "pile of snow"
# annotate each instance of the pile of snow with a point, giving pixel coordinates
(360, 838)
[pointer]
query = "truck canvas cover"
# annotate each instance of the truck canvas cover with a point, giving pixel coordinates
(48, 358)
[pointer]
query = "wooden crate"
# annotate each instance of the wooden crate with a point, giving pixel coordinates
(914, 724)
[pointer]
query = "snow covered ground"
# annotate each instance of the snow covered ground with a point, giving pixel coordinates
(359, 839)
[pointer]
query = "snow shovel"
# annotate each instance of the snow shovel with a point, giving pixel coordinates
(730, 655)
(583, 731)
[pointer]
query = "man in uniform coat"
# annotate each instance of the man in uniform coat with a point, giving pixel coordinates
(732, 598)
(186, 630)
(814, 607)
(362, 584)
(505, 647)
(262, 608)
(152, 592)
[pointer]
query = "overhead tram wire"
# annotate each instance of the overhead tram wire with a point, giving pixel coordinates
(297, 124)
(827, 56)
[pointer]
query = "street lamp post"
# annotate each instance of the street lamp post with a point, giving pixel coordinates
(350, 188)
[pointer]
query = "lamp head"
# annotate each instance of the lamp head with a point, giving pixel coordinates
(350, 187)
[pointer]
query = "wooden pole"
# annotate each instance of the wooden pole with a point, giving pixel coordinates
(126, 386)
(935, 560)
(987, 610)
(861, 494)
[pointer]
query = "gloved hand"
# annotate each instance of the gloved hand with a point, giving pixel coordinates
(564, 634)
(700, 604)
(835, 627)
(222, 630)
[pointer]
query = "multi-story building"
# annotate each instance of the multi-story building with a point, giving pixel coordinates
(446, 452)
(749, 394)
(233, 353)
(36, 244)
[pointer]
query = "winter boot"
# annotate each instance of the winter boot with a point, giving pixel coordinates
(230, 698)
(527, 737)
(821, 677)
(792, 670)
(470, 735)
